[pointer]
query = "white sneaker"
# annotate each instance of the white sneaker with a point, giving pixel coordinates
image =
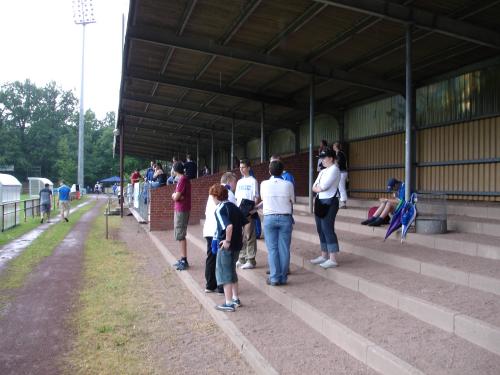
(318, 260)
(328, 264)
(247, 266)
(238, 264)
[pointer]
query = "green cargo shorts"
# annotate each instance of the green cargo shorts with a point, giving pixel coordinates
(181, 219)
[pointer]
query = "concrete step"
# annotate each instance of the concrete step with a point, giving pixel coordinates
(468, 313)
(272, 339)
(363, 326)
(477, 245)
(473, 272)
(456, 223)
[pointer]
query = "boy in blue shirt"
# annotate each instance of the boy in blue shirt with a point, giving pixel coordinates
(387, 205)
(64, 201)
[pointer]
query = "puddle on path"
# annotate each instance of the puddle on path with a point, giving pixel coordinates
(15, 247)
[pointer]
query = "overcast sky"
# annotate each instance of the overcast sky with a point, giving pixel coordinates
(40, 41)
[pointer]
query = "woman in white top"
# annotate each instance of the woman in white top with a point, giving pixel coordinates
(326, 187)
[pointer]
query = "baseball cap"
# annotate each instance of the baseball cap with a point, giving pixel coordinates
(326, 153)
(391, 182)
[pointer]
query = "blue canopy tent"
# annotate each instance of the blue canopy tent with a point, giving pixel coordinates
(110, 180)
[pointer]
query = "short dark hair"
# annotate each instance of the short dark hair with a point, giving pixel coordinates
(46, 185)
(218, 191)
(245, 161)
(276, 168)
(179, 167)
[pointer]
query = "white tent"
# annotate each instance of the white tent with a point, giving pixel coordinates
(10, 188)
(38, 183)
(10, 195)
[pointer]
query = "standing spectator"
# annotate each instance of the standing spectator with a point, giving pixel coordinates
(342, 164)
(230, 222)
(326, 206)
(171, 179)
(135, 177)
(247, 192)
(182, 208)
(64, 192)
(322, 146)
(206, 170)
(150, 172)
(115, 186)
(277, 197)
(96, 187)
(45, 200)
(228, 180)
(190, 167)
(287, 176)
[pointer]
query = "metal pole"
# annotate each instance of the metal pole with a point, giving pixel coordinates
(311, 139)
(122, 195)
(81, 128)
(262, 134)
(198, 157)
(231, 166)
(212, 153)
(408, 114)
(107, 215)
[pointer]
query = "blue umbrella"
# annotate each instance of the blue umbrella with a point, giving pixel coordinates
(408, 216)
(395, 220)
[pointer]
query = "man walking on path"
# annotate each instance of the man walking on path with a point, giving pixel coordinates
(182, 208)
(64, 201)
(45, 199)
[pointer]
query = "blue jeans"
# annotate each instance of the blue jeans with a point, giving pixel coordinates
(326, 227)
(278, 235)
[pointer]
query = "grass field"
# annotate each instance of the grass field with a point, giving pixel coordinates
(111, 337)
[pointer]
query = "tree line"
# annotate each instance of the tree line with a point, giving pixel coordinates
(39, 134)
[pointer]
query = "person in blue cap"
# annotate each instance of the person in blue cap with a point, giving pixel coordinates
(387, 205)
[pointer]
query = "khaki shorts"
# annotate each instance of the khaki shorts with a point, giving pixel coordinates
(181, 219)
(64, 206)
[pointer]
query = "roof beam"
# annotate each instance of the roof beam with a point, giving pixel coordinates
(156, 142)
(190, 124)
(195, 108)
(422, 19)
(208, 87)
(159, 36)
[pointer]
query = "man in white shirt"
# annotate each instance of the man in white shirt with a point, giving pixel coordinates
(277, 197)
(247, 188)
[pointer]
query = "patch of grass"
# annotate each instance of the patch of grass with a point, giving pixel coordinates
(18, 269)
(31, 223)
(110, 338)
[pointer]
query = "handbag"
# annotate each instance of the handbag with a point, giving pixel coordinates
(320, 209)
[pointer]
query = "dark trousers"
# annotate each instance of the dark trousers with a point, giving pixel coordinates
(210, 266)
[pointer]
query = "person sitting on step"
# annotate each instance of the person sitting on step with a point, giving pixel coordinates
(387, 205)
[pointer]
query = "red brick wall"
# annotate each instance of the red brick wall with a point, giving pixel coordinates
(162, 207)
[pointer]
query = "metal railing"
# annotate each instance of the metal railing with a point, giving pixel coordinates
(11, 213)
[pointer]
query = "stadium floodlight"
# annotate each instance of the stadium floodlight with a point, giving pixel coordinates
(83, 14)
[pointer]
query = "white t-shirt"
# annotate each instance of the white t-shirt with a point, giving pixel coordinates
(246, 188)
(328, 180)
(210, 225)
(277, 196)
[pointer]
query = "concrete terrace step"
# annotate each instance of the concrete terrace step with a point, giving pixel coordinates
(364, 326)
(456, 223)
(476, 245)
(474, 272)
(468, 313)
(272, 339)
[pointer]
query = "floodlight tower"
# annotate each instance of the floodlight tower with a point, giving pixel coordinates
(83, 14)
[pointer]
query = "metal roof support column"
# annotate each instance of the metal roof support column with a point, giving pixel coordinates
(262, 134)
(231, 160)
(122, 135)
(198, 157)
(409, 112)
(311, 139)
(212, 152)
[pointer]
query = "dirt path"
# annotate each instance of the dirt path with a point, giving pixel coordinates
(33, 331)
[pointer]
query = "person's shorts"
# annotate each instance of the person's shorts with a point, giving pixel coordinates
(45, 207)
(64, 205)
(225, 267)
(181, 219)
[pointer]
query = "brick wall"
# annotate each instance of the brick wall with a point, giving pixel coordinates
(162, 207)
